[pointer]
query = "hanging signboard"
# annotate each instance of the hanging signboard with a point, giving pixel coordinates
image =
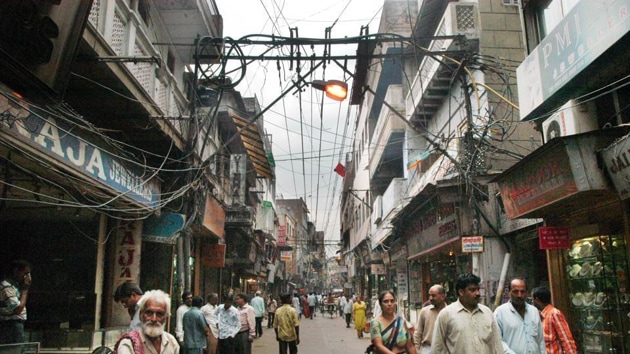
(553, 238)
(472, 244)
(282, 235)
(286, 256)
(213, 255)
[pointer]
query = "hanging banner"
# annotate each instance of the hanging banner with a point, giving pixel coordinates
(282, 235)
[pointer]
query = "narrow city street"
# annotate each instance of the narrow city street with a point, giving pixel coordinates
(321, 335)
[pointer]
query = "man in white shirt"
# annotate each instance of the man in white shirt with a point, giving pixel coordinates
(312, 302)
(342, 303)
(258, 303)
(519, 322)
(179, 316)
(246, 335)
(209, 310)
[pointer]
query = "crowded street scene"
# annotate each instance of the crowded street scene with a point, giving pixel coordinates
(331, 176)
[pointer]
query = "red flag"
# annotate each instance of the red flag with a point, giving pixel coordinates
(340, 169)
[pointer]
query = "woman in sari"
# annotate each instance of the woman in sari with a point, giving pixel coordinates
(388, 331)
(358, 314)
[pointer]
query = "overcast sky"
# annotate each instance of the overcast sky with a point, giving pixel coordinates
(307, 145)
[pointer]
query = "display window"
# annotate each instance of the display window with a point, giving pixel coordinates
(597, 275)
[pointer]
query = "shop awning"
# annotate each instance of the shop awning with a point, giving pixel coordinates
(385, 229)
(450, 244)
(252, 138)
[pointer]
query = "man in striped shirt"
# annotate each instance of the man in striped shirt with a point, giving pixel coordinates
(558, 337)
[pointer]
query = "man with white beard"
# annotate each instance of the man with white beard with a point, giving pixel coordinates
(155, 308)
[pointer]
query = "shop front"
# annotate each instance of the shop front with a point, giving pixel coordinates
(435, 254)
(584, 234)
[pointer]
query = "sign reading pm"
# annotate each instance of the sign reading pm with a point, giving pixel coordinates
(471, 244)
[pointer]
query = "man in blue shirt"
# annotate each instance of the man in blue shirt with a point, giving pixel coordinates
(196, 328)
(258, 303)
(519, 323)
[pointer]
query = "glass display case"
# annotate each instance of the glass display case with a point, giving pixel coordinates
(597, 270)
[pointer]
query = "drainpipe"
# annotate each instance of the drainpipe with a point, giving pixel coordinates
(499, 295)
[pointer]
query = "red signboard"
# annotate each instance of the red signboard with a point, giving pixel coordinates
(282, 235)
(213, 255)
(554, 238)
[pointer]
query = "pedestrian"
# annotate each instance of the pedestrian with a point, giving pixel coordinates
(229, 323)
(306, 311)
(519, 322)
(296, 305)
(287, 326)
(179, 315)
(358, 315)
(388, 331)
(426, 319)
(312, 302)
(209, 310)
(272, 305)
(466, 326)
(13, 296)
(129, 294)
(347, 311)
(247, 333)
(342, 304)
(154, 308)
(196, 328)
(258, 303)
(558, 337)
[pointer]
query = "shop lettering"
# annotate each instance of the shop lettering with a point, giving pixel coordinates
(127, 252)
(620, 162)
(49, 135)
(562, 39)
(447, 228)
(540, 180)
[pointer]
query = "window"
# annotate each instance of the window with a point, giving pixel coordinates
(554, 12)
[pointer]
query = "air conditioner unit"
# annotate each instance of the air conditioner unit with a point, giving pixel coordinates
(572, 118)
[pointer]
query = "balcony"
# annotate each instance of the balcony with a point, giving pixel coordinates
(128, 75)
(386, 160)
(433, 79)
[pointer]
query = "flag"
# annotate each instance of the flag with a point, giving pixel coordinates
(340, 169)
(416, 160)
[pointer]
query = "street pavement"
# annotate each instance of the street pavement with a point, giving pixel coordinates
(321, 335)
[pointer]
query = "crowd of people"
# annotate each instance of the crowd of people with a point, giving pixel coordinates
(207, 327)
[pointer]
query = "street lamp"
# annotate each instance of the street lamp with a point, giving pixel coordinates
(335, 89)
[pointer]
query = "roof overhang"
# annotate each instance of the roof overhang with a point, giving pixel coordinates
(252, 138)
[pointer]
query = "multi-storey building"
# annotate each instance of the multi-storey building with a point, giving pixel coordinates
(573, 86)
(428, 148)
(112, 169)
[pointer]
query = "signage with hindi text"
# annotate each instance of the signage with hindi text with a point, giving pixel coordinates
(472, 244)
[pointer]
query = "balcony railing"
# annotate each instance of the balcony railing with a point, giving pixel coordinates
(126, 34)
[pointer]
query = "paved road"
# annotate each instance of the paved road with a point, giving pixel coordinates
(318, 336)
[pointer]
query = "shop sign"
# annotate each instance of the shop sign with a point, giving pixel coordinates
(378, 269)
(584, 34)
(554, 238)
(403, 285)
(214, 217)
(128, 238)
(286, 255)
(617, 161)
(59, 142)
(213, 255)
(472, 244)
(538, 182)
(282, 235)
(163, 228)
